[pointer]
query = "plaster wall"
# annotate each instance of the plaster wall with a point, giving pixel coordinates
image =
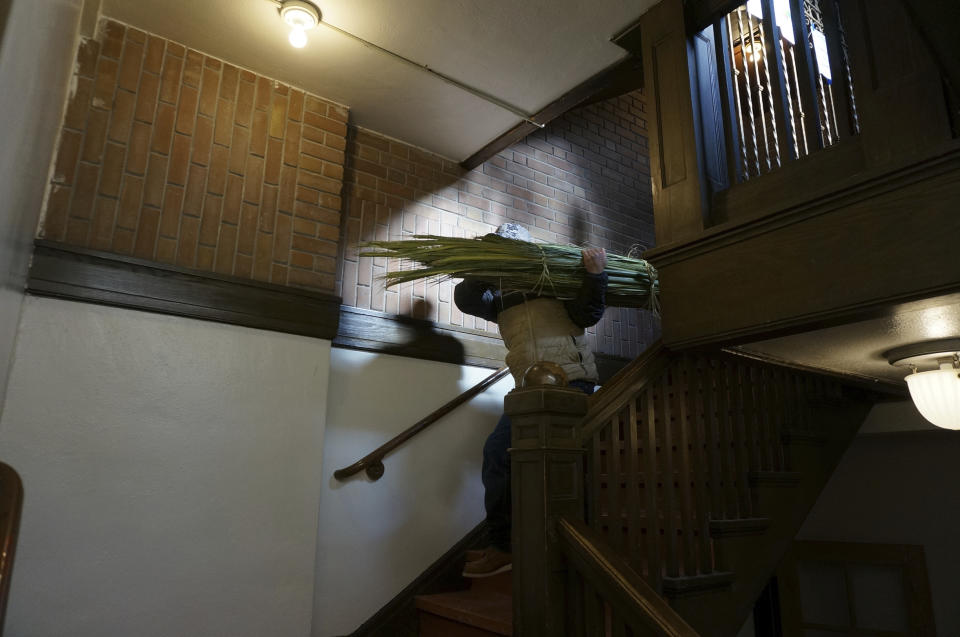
(171, 471)
(37, 43)
(900, 489)
(377, 537)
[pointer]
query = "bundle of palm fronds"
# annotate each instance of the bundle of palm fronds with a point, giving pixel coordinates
(516, 266)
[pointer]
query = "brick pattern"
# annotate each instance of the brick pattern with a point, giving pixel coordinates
(584, 179)
(171, 155)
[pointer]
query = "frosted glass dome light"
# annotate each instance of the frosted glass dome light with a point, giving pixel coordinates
(937, 395)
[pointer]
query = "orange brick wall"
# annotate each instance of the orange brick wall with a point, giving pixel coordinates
(585, 178)
(171, 155)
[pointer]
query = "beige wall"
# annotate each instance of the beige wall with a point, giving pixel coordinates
(36, 54)
(172, 471)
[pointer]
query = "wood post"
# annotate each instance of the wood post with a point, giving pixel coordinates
(547, 481)
(679, 200)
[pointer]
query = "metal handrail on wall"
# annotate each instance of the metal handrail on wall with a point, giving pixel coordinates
(372, 463)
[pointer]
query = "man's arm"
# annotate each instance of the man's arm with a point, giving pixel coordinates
(587, 307)
(477, 298)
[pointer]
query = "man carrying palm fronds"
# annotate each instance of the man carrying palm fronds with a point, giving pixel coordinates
(533, 328)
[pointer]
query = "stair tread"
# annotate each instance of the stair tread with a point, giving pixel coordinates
(486, 609)
(774, 478)
(692, 584)
(738, 527)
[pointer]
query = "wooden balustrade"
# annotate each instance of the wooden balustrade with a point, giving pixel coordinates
(678, 453)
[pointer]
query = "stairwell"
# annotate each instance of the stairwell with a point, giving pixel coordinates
(698, 471)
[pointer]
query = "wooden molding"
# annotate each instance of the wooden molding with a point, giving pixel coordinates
(79, 274)
(383, 333)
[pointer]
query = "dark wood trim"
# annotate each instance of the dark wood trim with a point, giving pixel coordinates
(372, 331)
(399, 615)
(836, 195)
(574, 97)
(893, 390)
(79, 274)
(702, 13)
(610, 574)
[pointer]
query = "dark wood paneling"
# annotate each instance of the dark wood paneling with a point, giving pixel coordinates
(674, 165)
(845, 256)
(404, 336)
(98, 277)
(898, 85)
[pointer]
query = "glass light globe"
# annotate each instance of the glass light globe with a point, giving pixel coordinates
(298, 38)
(937, 396)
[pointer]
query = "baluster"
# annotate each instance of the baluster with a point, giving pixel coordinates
(741, 438)
(754, 49)
(684, 397)
(776, 93)
(615, 516)
(749, 92)
(633, 488)
(598, 471)
(724, 423)
(737, 162)
(576, 593)
(806, 67)
(765, 388)
(669, 494)
(711, 424)
(778, 411)
(593, 613)
(701, 459)
(650, 483)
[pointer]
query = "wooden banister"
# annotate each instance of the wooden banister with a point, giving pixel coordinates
(610, 575)
(11, 504)
(372, 463)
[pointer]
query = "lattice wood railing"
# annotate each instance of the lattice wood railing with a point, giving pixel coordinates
(670, 456)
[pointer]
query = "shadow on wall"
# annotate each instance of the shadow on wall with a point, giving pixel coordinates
(423, 339)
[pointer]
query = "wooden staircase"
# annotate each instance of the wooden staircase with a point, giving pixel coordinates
(484, 609)
(698, 471)
(662, 504)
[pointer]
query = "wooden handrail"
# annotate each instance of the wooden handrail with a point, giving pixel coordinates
(11, 505)
(616, 582)
(636, 374)
(372, 463)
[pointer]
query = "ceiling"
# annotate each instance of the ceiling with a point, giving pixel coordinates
(857, 348)
(525, 53)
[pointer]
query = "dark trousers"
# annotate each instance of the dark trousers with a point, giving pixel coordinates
(495, 474)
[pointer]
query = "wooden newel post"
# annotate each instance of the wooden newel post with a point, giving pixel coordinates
(547, 480)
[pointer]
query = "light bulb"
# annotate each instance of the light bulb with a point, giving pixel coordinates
(298, 38)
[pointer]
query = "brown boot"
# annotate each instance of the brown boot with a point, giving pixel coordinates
(474, 555)
(493, 562)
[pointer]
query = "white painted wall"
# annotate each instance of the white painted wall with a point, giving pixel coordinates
(36, 58)
(377, 537)
(900, 489)
(171, 470)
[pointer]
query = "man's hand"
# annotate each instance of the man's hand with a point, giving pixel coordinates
(594, 260)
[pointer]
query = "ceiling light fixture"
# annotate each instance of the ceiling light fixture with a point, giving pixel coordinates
(301, 16)
(935, 392)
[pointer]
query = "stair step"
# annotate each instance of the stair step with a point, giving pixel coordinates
(773, 478)
(737, 528)
(486, 610)
(802, 437)
(501, 583)
(697, 584)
